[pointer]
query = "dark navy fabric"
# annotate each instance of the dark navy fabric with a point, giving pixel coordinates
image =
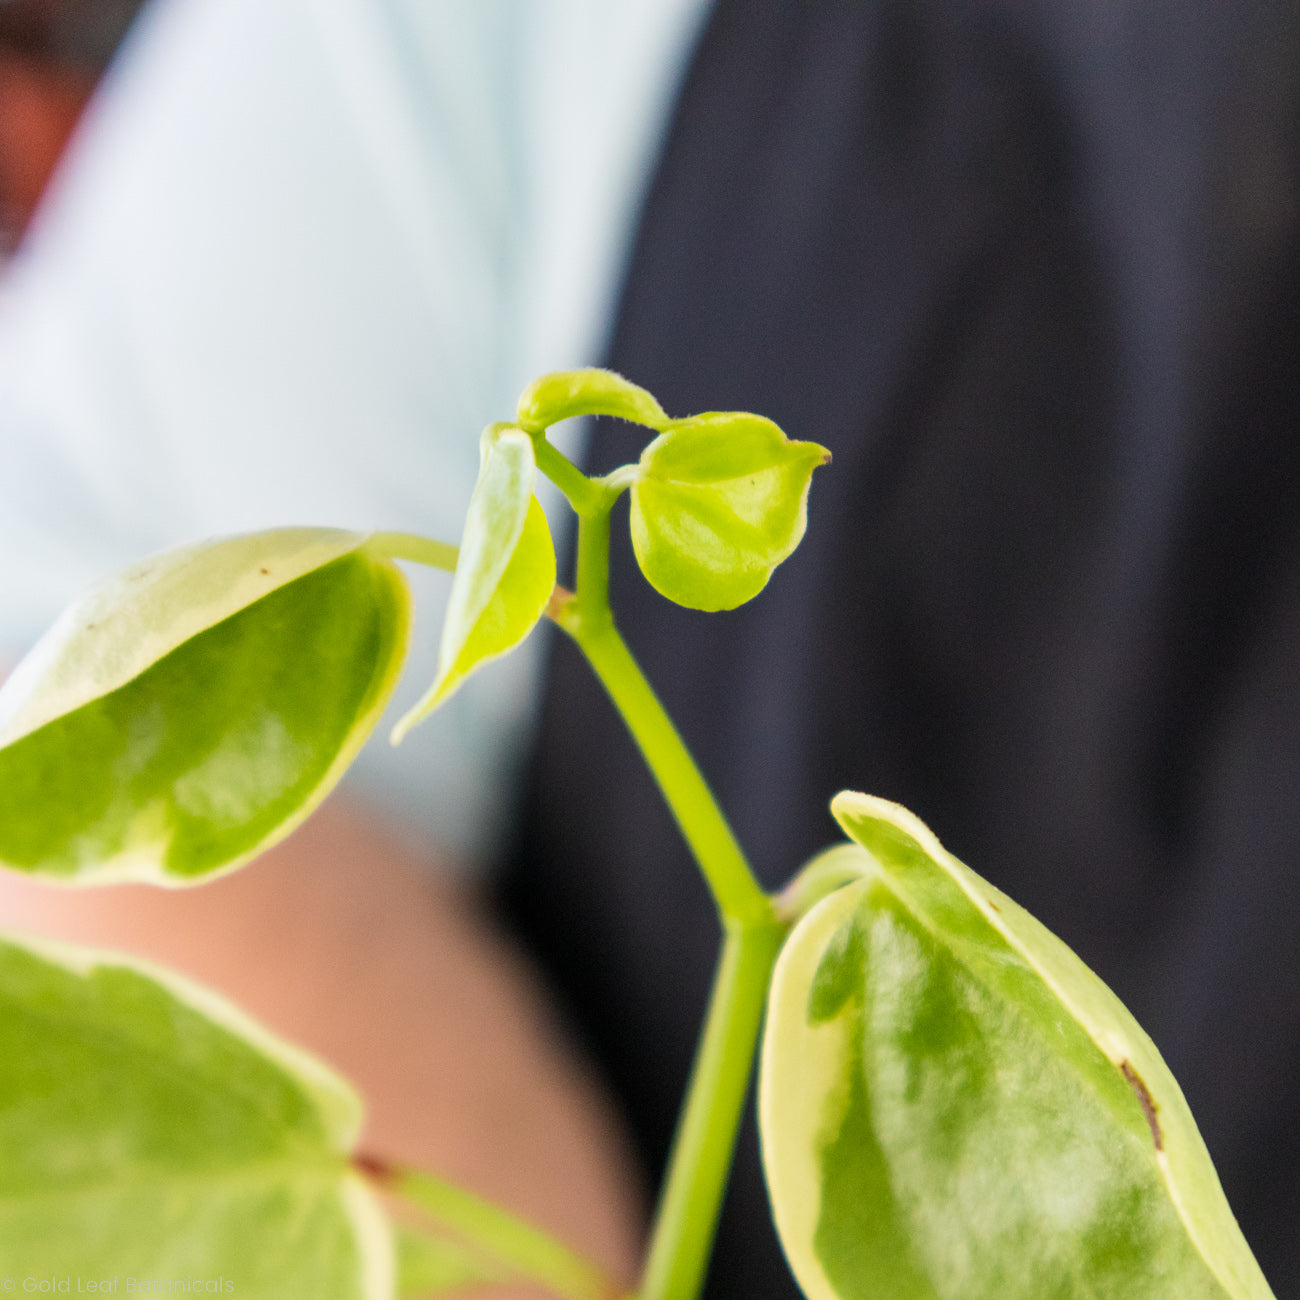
(1032, 273)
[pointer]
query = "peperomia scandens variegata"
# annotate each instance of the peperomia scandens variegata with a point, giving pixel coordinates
(952, 1106)
(146, 1125)
(189, 712)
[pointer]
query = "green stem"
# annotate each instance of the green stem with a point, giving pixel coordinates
(706, 1136)
(586, 617)
(738, 895)
(585, 496)
(528, 1251)
(592, 575)
(411, 546)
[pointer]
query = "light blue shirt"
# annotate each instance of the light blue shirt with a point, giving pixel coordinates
(301, 252)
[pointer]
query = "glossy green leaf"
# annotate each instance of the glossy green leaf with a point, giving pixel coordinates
(505, 574)
(150, 1131)
(190, 712)
(954, 1107)
(566, 393)
(719, 501)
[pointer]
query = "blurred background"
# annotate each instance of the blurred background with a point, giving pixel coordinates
(1030, 268)
(51, 54)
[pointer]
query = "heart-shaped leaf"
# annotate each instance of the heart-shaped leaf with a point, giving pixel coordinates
(505, 574)
(148, 1130)
(566, 393)
(719, 500)
(191, 711)
(954, 1107)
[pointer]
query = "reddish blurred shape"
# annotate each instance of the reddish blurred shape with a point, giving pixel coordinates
(40, 101)
(51, 53)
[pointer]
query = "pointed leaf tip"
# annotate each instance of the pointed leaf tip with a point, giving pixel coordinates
(505, 574)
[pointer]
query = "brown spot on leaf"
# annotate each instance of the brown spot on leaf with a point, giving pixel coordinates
(373, 1167)
(995, 907)
(1146, 1101)
(265, 572)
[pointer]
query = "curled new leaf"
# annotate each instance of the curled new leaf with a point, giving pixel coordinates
(150, 1130)
(954, 1107)
(566, 393)
(719, 501)
(505, 574)
(191, 711)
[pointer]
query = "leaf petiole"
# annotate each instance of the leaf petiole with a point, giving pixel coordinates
(523, 1248)
(413, 547)
(588, 497)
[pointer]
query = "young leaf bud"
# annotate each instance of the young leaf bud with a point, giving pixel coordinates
(566, 393)
(505, 574)
(719, 501)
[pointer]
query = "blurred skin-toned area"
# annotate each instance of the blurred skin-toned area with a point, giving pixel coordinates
(342, 938)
